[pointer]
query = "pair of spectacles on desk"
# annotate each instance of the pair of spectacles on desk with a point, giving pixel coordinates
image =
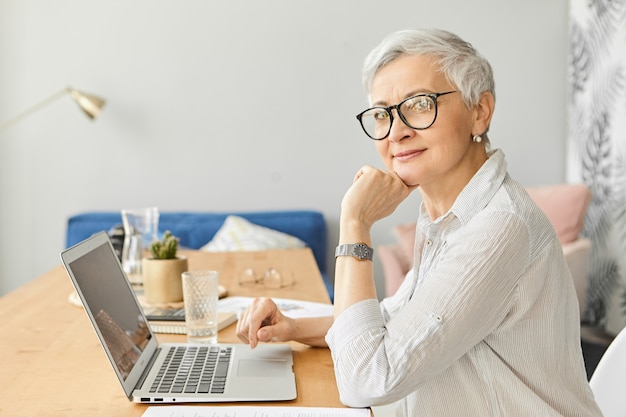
(270, 278)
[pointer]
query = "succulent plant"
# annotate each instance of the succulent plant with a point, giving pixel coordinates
(166, 247)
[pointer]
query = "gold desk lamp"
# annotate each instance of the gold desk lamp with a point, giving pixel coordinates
(90, 104)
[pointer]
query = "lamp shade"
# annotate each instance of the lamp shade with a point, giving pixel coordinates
(90, 104)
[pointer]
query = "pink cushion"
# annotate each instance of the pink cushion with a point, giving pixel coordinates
(406, 238)
(397, 259)
(393, 268)
(565, 205)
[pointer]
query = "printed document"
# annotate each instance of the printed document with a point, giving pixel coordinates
(290, 308)
(250, 411)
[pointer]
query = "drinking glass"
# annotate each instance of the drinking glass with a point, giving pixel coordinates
(200, 295)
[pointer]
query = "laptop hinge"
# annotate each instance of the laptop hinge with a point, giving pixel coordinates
(147, 369)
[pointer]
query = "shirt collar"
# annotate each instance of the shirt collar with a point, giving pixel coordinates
(478, 191)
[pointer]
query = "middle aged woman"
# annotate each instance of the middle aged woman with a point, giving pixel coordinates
(486, 323)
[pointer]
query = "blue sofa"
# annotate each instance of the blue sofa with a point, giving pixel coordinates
(195, 229)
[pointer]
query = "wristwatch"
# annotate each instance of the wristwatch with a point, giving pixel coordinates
(359, 250)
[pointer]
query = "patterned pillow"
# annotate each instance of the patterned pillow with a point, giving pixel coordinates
(238, 234)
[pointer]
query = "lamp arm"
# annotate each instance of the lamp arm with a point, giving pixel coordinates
(34, 108)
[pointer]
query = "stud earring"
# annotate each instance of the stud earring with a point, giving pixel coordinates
(477, 138)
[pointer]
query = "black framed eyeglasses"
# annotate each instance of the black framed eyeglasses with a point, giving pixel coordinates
(418, 112)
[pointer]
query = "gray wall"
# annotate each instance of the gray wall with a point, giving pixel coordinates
(235, 106)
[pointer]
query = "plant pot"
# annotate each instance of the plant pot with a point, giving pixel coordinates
(162, 281)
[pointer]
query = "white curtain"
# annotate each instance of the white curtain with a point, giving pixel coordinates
(597, 149)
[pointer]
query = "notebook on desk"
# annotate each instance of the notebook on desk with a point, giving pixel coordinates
(146, 369)
(168, 320)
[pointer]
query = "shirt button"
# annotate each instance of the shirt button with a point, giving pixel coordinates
(429, 242)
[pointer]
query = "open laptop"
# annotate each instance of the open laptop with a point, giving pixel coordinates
(211, 373)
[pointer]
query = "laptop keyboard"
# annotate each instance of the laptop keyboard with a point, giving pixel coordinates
(193, 369)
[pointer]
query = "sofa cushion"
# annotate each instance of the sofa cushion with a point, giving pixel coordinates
(397, 259)
(238, 234)
(405, 233)
(565, 205)
(391, 259)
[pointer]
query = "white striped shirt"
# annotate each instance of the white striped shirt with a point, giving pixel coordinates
(485, 324)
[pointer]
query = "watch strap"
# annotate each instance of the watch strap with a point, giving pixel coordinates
(358, 250)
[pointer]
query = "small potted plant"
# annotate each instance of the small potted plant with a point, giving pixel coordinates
(162, 281)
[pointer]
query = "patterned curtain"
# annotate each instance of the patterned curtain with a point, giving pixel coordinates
(597, 150)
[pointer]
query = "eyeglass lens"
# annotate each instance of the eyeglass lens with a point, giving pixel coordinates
(417, 112)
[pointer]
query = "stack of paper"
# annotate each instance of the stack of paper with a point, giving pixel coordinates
(249, 411)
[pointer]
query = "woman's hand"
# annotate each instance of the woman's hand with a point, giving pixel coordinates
(374, 195)
(262, 321)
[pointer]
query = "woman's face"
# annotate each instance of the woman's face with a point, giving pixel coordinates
(437, 154)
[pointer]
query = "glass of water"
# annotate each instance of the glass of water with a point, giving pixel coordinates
(200, 295)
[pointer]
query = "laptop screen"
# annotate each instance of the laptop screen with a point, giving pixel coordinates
(112, 306)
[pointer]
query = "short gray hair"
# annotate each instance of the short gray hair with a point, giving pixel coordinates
(461, 64)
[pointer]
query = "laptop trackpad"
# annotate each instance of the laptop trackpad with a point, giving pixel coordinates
(262, 368)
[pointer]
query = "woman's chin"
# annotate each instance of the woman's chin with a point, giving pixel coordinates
(409, 180)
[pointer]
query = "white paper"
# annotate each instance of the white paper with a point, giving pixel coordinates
(252, 411)
(290, 308)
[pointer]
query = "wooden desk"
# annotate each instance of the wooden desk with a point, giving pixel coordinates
(53, 364)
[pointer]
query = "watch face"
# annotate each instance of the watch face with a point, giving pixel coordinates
(360, 251)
